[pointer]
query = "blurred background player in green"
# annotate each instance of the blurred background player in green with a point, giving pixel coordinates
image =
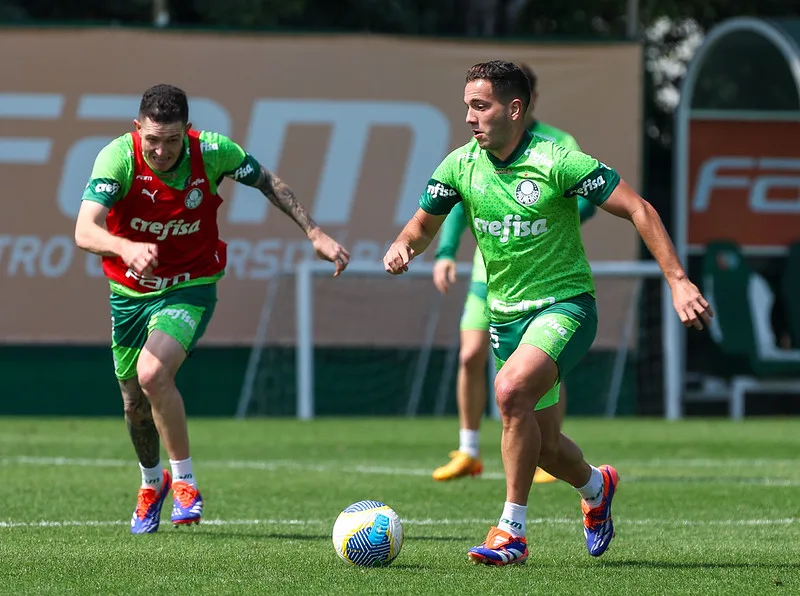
(472, 379)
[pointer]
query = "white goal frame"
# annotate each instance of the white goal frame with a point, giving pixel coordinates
(304, 288)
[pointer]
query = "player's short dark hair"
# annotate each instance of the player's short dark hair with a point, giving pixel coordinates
(508, 80)
(164, 104)
(532, 79)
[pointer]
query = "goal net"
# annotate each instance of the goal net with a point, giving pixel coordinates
(370, 344)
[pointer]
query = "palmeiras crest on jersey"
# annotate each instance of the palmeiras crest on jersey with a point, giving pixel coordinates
(193, 198)
(527, 193)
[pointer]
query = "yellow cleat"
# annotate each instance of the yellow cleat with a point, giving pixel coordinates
(461, 464)
(542, 477)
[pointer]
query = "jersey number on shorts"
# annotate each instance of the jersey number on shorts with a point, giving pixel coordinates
(494, 338)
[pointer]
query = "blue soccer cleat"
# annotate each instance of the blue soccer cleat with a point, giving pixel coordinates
(500, 548)
(147, 514)
(187, 505)
(598, 526)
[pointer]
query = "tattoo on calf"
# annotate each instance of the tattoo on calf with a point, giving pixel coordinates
(141, 428)
(280, 195)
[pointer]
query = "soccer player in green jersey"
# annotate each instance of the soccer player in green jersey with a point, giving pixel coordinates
(474, 346)
(150, 210)
(519, 194)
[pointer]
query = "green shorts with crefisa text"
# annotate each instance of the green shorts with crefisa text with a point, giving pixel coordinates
(564, 331)
(182, 313)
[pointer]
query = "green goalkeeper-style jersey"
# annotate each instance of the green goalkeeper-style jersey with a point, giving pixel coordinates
(523, 213)
(453, 227)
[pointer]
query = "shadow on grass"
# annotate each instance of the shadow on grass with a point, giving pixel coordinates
(214, 533)
(637, 563)
(440, 539)
(249, 535)
(404, 566)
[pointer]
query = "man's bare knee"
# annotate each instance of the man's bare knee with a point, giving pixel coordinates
(153, 376)
(473, 358)
(510, 397)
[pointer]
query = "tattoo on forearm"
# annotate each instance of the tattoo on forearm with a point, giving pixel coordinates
(280, 195)
(141, 428)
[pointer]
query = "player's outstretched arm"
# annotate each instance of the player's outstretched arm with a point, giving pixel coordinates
(91, 235)
(692, 308)
(279, 194)
(415, 237)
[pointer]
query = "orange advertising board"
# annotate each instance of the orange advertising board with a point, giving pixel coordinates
(744, 183)
(354, 124)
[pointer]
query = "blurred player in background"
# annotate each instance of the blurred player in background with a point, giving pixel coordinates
(150, 210)
(473, 357)
(520, 196)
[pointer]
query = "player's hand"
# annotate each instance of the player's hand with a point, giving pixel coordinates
(328, 249)
(397, 258)
(140, 257)
(692, 308)
(444, 274)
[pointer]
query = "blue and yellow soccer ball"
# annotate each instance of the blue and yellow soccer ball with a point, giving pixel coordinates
(368, 534)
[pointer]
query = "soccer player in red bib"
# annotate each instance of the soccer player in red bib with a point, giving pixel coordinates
(150, 210)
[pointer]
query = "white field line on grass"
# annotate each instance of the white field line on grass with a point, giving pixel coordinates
(276, 465)
(689, 462)
(414, 522)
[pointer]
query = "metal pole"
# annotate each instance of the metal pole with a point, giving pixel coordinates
(672, 342)
(304, 298)
(632, 19)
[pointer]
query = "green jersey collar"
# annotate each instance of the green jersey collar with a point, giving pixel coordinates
(515, 155)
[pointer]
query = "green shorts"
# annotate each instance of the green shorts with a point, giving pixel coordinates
(475, 316)
(182, 313)
(564, 331)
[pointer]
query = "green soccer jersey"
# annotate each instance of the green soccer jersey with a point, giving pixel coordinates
(453, 227)
(523, 213)
(113, 169)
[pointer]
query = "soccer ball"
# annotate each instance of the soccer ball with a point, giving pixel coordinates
(368, 534)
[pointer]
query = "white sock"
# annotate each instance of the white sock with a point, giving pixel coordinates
(513, 519)
(468, 441)
(592, 491)
(182, 470)
(152, 477)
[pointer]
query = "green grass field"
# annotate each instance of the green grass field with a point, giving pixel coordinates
(704, 507)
